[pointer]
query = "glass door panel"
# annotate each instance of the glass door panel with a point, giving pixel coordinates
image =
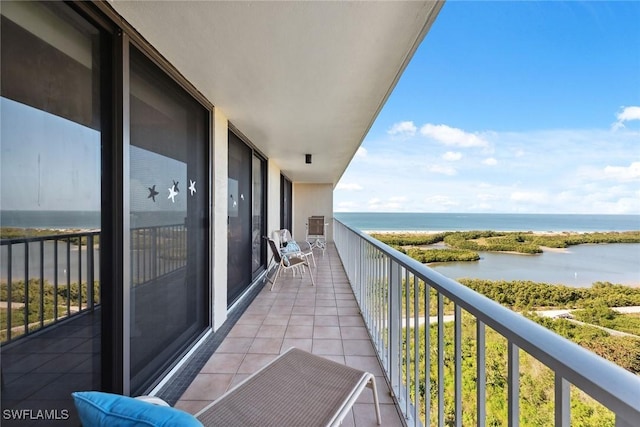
(240, 226)
(50, 187)
(169, 216)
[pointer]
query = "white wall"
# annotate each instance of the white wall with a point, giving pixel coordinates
(219, 216)
(273, 198)
(308, 200)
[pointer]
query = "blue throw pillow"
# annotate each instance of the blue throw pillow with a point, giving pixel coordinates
(97, 409)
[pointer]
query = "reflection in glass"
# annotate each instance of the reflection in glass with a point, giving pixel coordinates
(50, 187)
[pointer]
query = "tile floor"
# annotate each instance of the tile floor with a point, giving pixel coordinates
(324, 320)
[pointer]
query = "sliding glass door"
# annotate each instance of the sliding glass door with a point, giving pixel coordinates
(169, 220)
(285, 203)
(246, 221)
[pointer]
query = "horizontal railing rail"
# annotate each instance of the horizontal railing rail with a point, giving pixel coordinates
(390, 288)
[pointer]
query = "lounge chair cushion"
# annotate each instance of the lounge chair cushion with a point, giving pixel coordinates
(97, 409)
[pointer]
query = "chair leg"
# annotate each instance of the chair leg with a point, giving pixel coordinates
(313, 283)
(275, 278)
(372, 384)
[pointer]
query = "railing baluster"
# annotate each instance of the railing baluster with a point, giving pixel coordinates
(513, 379)
(440, 360)
(9, 289)
(79, 274)
(427, 355)
(481, 382)
(90, 271)
(55, 279)
(458, 364)
(562, 402)
(416, 349)
(41, 316)
(407, 282)
(26, 287)
(68, 277)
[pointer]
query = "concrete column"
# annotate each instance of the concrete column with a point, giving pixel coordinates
(273, 198)
(219, 216)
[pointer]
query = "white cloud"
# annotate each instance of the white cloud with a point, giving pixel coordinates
(442, 169)
(453, 136)
(403, 129)
(452, 156)
(440, 202)
(622, 173)
(347, 206)
(362, 152)
(490, 161)
(627, 114)
(529, 196)
(348, 186)
(392, 204)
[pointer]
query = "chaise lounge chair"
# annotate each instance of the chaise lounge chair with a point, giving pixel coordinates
(296, 389)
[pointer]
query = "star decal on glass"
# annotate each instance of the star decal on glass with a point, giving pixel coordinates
(152, 193)
(175, 185)
(172, 193)
(192, 187)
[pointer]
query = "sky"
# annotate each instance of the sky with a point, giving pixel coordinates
(510, 107)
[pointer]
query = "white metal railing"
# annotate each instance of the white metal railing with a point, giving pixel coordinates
(379, 275)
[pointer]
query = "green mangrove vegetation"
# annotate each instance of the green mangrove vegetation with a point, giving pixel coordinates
(22, 233)
(496, 241)
(40, 301)
(536, 380)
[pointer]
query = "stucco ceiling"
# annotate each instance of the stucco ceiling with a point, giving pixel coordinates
(294, 77)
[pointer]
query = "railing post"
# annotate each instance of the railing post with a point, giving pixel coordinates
(513, 379)
(395, 326)
(481, 373)
(9, 285)
(562, 402)
(26, 287)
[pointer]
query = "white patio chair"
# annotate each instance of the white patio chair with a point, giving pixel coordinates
(287, 261)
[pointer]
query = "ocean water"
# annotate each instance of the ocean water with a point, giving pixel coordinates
(86, 220)
(371, 221)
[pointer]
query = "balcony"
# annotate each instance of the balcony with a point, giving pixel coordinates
(357, 317)
(356, 314)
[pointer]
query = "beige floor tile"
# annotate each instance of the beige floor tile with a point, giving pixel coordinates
(301, 320)
(207, 387)
(326, 347)
(266, 346)
(299, 331)
(301, 343)
(351, 320)
(235, 345)
(354, 332)
(326, 332)
(244, 330)
(271, 331)
(253, 362)
(358, 348)
(326, 321)
(223, 363)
